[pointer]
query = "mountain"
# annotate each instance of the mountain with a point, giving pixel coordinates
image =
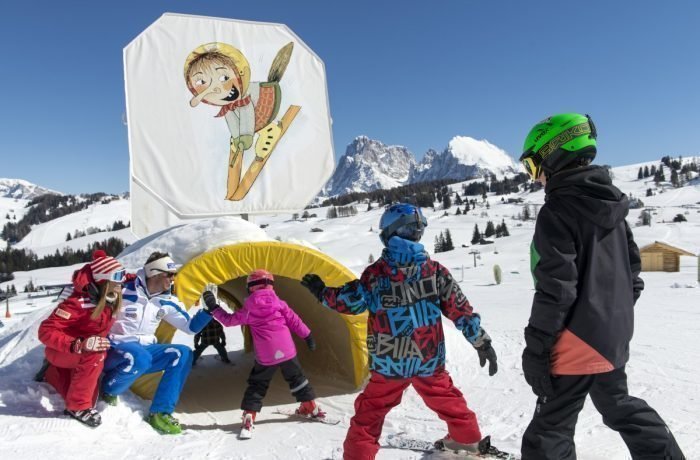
(370, 165)
(22, 189)
(464, 158)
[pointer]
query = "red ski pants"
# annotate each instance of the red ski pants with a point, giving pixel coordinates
(75, 376)
(382, 394)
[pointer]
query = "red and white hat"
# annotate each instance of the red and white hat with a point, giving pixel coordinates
(105, 268)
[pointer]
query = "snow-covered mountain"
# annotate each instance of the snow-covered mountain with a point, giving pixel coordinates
(464, 158)
(22, 189)
(369, 165)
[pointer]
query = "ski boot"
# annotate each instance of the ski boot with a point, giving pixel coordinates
(310, 409)
(111, 400)
(164, 423)
(481, 449)
(89, 417)
(248, 424)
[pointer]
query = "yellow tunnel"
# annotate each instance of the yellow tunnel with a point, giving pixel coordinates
(344, 352)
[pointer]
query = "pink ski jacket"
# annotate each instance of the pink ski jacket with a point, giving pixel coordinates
(270, 320)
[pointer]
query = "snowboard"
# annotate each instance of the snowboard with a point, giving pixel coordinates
(292, 413)
(403, 441)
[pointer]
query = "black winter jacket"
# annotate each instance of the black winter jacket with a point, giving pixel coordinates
(586, 267)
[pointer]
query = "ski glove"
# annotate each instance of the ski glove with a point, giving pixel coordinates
(483, 348)
(314, 284)
(310, 342)
(91, 344)
(210, 304)
(536, 361)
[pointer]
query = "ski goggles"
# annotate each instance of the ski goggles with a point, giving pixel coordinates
(532, 168)
(117, 276)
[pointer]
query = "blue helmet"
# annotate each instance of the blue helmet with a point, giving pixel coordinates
(403, 220)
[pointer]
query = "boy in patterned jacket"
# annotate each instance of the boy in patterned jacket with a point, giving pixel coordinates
(406, 293)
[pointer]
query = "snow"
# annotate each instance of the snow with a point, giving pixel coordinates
(45, 238)
(470, 151)
(660, 370)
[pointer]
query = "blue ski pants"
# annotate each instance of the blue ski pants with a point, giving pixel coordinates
(130, 360)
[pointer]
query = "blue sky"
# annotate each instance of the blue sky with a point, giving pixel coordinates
(403, 72)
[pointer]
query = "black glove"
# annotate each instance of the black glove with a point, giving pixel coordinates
(310, 342)
(486, 352)
(536, 361)
(210, 305)
(314, 284)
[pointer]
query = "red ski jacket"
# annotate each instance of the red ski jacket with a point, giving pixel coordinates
(70, 320)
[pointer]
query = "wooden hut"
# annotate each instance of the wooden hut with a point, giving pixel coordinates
(662, 257)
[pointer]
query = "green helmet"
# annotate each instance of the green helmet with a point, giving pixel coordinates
(558, 141)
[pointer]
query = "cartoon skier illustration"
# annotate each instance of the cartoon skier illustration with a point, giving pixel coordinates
(219, 74)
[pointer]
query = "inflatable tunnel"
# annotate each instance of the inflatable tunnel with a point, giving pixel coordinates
(343, 354)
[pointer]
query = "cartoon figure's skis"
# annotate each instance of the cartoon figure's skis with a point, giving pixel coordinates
(218, 74)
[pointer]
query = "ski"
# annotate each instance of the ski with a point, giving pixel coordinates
(403, 441)
(292, 413)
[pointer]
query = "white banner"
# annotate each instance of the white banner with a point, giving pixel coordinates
(225, 117)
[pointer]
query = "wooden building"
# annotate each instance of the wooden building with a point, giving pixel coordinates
(662, 257)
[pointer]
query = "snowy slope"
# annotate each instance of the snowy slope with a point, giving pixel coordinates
(50, 236)
(660, 370)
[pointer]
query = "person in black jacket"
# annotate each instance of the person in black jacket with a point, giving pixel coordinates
(586, 267)
(212, 334)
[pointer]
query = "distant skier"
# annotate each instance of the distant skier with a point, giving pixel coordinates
(586, 268)
(74, 335)
(270, 321)
(148, 299)
(212, 334)
(406, 293)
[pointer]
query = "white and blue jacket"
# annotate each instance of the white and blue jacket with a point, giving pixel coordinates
(141, 313)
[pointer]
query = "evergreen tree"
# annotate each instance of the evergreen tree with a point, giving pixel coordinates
(504, 228)
(446, 201)
(476, 236)
(646, 171)
(674, 178)
(68, 237)
(640, 174)
(448, 241)
(490, 229)
(438, 244)
(458, 212)
(652, 171)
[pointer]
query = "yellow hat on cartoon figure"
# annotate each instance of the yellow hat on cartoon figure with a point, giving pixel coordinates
(227, 50)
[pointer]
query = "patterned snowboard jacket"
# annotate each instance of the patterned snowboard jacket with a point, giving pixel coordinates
(405, 301)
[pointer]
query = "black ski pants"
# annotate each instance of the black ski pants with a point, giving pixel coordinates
(259, 381)
(220, 348)
(550, 434)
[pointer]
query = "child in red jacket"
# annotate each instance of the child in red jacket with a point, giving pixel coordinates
(74, 335)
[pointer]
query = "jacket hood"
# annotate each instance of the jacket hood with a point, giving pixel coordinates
(592, 195)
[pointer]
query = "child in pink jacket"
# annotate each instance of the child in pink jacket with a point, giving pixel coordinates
(271, 322)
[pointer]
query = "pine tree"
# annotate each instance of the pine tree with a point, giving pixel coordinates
(448, 241)
(476, 236)
(458, 212)
(646, 171)
(640, 174)
(438, 244)
(490, 229)
(504, 228)
(674, 178)
(446, 201)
